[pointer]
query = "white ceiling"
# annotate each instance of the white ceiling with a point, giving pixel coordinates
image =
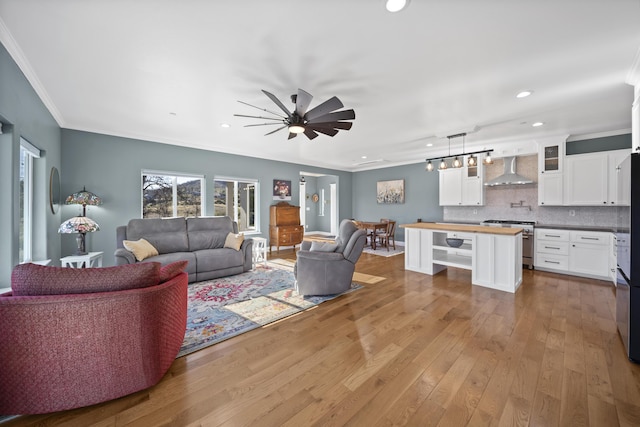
(173, 70)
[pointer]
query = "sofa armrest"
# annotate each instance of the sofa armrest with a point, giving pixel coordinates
(247, 249)
(124, 257)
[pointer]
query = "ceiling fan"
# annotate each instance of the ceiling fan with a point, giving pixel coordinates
(321, 119)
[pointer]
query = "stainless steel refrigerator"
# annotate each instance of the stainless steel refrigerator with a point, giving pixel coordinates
(628, 249)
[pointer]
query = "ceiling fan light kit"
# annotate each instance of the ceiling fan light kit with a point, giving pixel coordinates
(323, 118)
(472, 160)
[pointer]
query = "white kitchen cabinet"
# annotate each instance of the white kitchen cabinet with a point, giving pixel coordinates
(462, 186)
(581, 253)
(586, 180)
(552, 249)
(618, 197)
(550, 188)
(589, 253)
(591, 179)
(450, 187)
(551, 174)
(613, 259)
(419, 252)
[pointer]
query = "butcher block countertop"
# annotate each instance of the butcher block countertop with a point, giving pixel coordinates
(505, 231)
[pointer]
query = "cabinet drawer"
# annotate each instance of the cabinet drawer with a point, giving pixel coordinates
(592, 237)
(552, 247)
(550, 261)
(556, 235)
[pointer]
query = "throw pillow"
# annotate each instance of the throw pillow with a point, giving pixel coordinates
(234, 241)
(170, 271)
(33, 279)
(323, 247)
(141, 248)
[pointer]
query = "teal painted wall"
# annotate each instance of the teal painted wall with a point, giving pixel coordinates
(111, 167)
(421, 196)
(22, 113)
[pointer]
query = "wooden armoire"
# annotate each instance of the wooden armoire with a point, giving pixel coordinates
(284, 225)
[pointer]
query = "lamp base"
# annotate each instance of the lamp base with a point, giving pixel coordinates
(80, 243)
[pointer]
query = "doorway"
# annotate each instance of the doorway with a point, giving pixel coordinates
(319, 203)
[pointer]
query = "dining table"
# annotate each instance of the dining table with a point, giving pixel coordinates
(374, 226)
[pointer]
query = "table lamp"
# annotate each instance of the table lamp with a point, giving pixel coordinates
(84, 198)
(80, 225)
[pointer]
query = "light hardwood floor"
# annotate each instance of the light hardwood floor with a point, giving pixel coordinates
(412, 350)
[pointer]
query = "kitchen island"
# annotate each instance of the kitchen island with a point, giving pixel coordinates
(493, 254)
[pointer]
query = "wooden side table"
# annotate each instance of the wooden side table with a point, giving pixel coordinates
(92, 259)
(259, 250)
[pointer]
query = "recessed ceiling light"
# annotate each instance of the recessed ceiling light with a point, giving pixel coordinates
(430, 145)
(224, 125)
(524, 94)
(396, 5)
(536, 124)
(363, 157)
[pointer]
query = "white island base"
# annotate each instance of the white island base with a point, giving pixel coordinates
(494, 255)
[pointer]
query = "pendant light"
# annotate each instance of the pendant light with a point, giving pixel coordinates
(443, 165)
(472, 161)
(429, 167)
(457, 163)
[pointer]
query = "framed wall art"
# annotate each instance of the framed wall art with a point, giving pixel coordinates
(390, 191)
(281, 189)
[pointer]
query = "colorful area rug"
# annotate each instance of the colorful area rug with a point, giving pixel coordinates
(223, 308)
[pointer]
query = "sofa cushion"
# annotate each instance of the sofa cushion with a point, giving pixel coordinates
(218, 259)
(208, 232)
(166, 235)
(323, 246)
(234, 241)
(33, 279)
(168, 272)
(141, 249)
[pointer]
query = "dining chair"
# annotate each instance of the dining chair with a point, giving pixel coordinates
(388, 235)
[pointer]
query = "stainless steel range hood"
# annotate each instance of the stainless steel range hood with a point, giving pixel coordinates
(509, 176)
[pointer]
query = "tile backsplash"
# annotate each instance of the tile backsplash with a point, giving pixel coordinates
(499, 201)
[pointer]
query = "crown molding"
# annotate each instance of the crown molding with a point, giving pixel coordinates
(6, 38)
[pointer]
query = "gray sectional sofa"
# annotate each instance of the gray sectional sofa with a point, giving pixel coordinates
(197, 240)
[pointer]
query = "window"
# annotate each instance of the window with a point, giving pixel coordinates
(238, 199)
(170, 195)
(27, 153)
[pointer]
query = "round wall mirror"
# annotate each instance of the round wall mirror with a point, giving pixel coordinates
(54, 190)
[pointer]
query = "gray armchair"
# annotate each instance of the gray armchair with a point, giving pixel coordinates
(322, 272)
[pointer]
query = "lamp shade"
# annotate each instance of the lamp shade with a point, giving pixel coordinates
(84, 198)
(78, 224)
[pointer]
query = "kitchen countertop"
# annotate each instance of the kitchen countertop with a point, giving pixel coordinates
(505, 231)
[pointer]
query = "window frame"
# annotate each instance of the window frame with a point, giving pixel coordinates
(30, 152)
(174, 194)
(256, 199)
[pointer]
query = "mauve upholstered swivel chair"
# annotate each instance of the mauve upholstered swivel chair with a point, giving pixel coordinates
(319, 272)
(60, 352)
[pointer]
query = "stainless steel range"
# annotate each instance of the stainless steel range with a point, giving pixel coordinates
(527, 236)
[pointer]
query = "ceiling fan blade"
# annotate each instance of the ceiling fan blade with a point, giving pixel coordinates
(331, 125)
(326, 131)
(263, 109)
(292, 135)
(260, 117)
(331, 117)
(277, 102)
(310, 133)
(274, 131)
(303, 100)
(327, 106)
(262, 124)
